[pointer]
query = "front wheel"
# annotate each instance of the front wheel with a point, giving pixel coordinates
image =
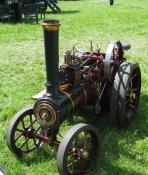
(78, 150)
(20, 134)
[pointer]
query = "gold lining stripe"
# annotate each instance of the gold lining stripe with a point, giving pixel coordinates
(67, 94)
(85, 93)
(53, 114)
(51, 26)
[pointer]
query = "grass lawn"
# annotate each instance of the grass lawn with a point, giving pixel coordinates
(22, 74)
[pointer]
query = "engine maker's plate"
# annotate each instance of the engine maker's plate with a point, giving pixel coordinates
(45, 114)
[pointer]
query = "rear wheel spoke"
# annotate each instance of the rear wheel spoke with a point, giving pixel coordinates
(131, 84)
(85, 140)
(133, 77)
(134, 89)
(127, 101)
(132, 106)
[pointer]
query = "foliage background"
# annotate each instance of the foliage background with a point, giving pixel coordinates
(22, 74)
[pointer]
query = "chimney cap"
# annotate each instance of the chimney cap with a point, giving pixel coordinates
(51, 25)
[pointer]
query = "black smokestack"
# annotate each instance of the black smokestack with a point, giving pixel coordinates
(51, 42)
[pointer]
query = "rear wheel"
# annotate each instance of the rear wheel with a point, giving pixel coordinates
(78, 150)
(125, 94)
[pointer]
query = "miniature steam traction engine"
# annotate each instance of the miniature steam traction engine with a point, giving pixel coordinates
(85, 79)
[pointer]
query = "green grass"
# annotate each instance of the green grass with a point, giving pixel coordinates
(22, 74)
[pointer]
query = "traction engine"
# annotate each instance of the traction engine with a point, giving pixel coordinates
(91, 80)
